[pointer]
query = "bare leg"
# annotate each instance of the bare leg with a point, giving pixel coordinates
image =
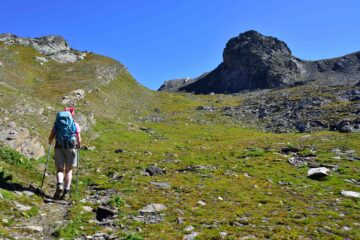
(60, 175)
(68, 176)
(60, 182)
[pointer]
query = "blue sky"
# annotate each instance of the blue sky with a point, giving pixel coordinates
(160, 40)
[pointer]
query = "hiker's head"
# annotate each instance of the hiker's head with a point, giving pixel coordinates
(71, 110)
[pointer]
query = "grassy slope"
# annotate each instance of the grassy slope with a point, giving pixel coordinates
(266, 209)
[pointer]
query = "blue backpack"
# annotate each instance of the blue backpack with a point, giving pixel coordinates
(65, 130)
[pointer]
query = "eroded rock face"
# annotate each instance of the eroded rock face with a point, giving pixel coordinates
(253, 61)
(54, 47)
(19, 138)
(250, 61)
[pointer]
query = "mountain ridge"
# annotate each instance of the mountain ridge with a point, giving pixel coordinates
(253, 61)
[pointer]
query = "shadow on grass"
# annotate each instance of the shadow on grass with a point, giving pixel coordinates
(5, 183)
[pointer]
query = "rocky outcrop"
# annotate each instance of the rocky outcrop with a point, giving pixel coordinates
(19, 138)
(54, 47)
(176, 84)
(253, 61)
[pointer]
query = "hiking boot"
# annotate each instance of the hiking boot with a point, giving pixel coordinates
(66, 195)
(59, 189)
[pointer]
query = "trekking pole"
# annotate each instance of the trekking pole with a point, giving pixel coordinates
(46, 165)
(77, 172)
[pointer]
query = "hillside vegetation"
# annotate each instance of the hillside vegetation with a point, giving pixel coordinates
(208, 175)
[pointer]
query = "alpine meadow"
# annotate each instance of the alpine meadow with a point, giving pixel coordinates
(265, 146)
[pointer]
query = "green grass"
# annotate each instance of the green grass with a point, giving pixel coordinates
(247, 184)
(12, 157)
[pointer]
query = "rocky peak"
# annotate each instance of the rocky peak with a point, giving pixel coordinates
(253, 61)
(251, 44)
(250, 61)
(52, 46)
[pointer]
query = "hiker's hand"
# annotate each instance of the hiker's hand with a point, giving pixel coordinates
(50, 141)
(78, 145)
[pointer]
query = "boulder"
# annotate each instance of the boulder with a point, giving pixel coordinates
(103, 213)
(154, 170)
(153, 208)
(318, 173)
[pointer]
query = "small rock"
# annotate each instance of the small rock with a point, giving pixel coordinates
(154, 170)
(350, 194)
(87, 208)
(21, 207)
(1, 196)
(191, 236)
(35, 228)
(18, 193)
(144, 173)
(41, 59)
(318, 173)
(247, 175)
(248, 237)
(115, 176)
(163, 185)
(28, 193)
(153, 208)
(346, 228)
(120, 150)
(189, 228)
(79, 94)
(91, 148)
(223, 234)
(149, 218)
(201, 203)
(179, 221)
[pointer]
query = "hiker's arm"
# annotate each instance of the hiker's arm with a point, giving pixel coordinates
(78, 136)
(52, 136)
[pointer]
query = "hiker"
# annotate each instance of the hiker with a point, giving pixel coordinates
(67, 134)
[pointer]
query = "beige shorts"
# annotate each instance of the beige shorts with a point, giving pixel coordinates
(65, 157)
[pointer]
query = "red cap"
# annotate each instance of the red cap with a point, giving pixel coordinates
(71, 110)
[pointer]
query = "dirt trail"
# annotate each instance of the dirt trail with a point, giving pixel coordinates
(51, 216)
